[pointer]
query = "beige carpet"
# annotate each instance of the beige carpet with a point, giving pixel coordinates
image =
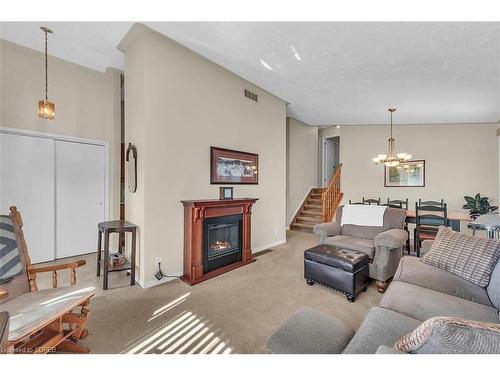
(233, 313)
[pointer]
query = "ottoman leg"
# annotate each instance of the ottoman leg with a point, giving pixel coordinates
(350, 297)
(309, 282)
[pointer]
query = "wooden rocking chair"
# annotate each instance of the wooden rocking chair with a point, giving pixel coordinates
(48, 320)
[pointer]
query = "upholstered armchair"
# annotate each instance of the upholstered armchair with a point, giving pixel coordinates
(384, 245)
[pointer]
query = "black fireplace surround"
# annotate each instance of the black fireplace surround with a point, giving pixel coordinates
(222, 241)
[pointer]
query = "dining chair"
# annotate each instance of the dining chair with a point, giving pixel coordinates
(351, 202)
(403, 204)
(370, 201)
(367, 201)
(397, 203)
(429, 215)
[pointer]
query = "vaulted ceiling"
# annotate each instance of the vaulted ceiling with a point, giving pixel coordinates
(329, 72)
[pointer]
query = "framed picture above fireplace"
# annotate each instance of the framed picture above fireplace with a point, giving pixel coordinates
(233, 167)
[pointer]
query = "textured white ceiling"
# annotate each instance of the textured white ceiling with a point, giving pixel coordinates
(329, 72)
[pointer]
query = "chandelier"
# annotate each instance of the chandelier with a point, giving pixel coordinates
(46, 109)
(392, 159)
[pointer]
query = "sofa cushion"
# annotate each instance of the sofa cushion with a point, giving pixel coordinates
(394, 218)
(32, 311)
(472, 258)
(360, 244)
(384, 349)
(411, 270)
(422, 304)
(13, 276)
(380, 327)
(493, 287)
(450, 335)
(310, 332)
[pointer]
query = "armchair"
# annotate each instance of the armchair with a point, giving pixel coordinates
(47, 320)
(384, 245)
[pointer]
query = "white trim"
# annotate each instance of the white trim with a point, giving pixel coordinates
(68, 138)
(300, 205)
(60, 137)
(155, 282)
(268, 245)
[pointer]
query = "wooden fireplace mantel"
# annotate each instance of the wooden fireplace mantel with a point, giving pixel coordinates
(195, 212)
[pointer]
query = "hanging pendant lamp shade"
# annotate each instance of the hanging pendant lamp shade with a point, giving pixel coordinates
(46, 109)
(392, 159)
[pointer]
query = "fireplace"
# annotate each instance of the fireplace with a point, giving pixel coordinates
(217, 237)
(222, 242)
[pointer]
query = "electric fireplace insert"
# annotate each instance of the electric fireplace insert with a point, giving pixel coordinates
(222, 241)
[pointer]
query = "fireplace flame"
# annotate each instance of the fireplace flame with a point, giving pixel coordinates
(220, 245)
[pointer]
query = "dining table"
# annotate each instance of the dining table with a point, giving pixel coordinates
(454, 219)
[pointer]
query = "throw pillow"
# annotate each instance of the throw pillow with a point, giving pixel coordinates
(448, 335)
(471, 258)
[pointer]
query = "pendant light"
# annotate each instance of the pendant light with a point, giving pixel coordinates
(392, 159)
(46, 109)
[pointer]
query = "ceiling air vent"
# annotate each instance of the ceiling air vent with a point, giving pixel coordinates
(251, 95)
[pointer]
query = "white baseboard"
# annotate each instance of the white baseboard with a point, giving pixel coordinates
(267, 246)
(155, 282)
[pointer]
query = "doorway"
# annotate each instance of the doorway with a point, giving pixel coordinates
(331, 158)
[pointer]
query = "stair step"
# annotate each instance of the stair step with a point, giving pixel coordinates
(314, 201)
(309, 219)
(317, 214)
(313, 206)
(315, 195)
(301, 226)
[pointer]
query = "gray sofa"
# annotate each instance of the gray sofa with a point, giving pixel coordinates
(383, 245)
(417, 293)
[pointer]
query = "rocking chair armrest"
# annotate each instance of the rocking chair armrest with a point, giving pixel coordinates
(3, 294)
(56, 267)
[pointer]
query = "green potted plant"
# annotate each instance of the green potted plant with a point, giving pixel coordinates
(478, 206)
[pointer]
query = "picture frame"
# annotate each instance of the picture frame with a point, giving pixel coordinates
(407, 174)
(233, 167)
(225, 192)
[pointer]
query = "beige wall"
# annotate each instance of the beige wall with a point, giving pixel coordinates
(460, 159)
(87, 102)
(302, 163)
(178, 104)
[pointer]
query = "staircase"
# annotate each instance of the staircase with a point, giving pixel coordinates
(319, 206)
(310, 213)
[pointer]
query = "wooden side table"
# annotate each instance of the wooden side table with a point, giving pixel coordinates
(105, 228)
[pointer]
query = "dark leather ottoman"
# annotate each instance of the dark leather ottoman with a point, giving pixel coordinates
(340, 269)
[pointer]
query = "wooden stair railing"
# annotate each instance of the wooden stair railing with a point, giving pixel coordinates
(332, 196)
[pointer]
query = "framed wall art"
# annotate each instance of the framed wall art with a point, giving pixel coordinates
(233, 167)
(407, 174)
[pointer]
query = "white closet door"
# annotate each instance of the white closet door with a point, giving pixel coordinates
(27, 181)
(80, 194)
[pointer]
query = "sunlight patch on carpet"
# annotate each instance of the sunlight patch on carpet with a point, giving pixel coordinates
(183, 334)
